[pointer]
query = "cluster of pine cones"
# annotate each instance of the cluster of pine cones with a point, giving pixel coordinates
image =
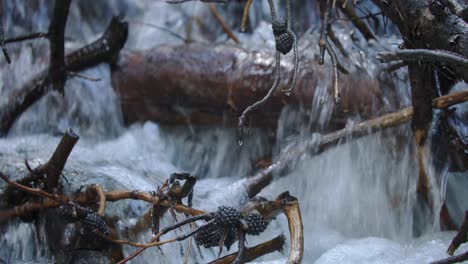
(226, 222)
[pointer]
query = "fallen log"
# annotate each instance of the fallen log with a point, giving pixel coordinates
(313, 147)
(214, 84)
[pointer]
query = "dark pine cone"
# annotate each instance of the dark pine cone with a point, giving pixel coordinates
(94, 223)
(210, 235)
(256, 224)
(227, 217)
(284, 42)
(66, 214)
(279, 27)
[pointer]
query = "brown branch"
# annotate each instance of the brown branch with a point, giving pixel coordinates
(57, 44)
(54, 167)
(313, 147)
(349, 11)
(33, 191)
(296, 230)
(245, 15)
(440, 56)
(222, 23)
(89, 197)
(461, 236)
(334, 60)
(337, 42)
(104, 49)
(455, 259)
(51, 171)
(97, 190)
(276, 244)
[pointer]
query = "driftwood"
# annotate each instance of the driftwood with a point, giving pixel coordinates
(214, 84)
(103, 50)
(313, 147)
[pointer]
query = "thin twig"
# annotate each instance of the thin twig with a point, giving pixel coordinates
(84, 77)
(160, 28)
(295, 51)
(257, 104)
(455, 259)
(34, 191)
(337, 42)
(27, 37)
(358, 23)
(327, 9)
(276, 244)
(334, 60)
(442, 56)
(245, 15)
(222, 23)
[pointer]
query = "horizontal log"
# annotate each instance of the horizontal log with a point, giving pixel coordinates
(206, 84)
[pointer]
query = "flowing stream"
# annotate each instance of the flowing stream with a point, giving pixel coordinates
(356, 199)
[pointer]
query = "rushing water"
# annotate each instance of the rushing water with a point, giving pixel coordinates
(356, 199)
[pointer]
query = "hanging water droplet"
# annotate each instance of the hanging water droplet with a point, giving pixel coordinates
(287, 93)
(239, 141)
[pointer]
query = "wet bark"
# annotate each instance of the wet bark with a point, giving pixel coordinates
(214, 84)
(427, 24)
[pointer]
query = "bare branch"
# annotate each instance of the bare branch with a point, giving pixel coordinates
(440, 56)
(27, 37)
(257, 104)
(222, 23)
(245, 14)
(349, 11)
(455, 259)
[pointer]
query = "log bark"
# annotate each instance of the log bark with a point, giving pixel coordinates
(214, 84)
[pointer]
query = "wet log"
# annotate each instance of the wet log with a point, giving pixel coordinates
(207, 84)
